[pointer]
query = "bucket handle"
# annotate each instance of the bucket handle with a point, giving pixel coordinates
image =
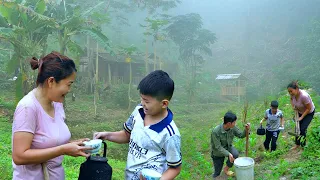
(104, 149)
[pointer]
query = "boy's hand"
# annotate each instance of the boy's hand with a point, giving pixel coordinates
(141, 177)
(100, 135)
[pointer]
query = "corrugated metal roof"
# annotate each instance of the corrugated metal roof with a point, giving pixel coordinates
(227, 76)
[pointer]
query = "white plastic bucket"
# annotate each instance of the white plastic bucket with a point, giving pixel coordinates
(244, 168)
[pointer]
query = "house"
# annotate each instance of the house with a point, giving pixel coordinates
(115, 69)
(232, 84)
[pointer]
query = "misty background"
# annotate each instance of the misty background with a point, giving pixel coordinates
(267, 41)
(262, 44)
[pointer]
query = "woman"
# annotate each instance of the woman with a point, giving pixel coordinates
(301, 102)
(39, 134)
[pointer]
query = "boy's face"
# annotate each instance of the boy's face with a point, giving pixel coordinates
(273, 109)
(152, 106)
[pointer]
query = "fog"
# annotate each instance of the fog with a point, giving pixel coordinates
(265, 41)
(254, 38)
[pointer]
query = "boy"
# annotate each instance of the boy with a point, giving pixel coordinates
(273, 117)
(221, 143)
(153, 137)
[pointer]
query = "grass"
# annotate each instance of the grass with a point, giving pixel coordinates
(195, 123)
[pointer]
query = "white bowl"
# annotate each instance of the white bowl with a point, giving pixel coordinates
(150, 174)
(94, 144)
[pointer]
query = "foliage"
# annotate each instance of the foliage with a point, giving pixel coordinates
(5, 149)
(195, 122)
(206, 90)
(153, 5)
(27, 30)
(118, 95)
(128, 51)
(194, 42)
(74, 21)
(308, 60)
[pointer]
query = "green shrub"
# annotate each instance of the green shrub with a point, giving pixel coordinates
(117, 95)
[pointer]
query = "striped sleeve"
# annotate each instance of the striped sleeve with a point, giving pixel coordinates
(281, 114)
(128, 125)
(266, 114)
(172, 147)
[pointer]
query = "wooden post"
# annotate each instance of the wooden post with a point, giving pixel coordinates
(147, 54)
(95, 99)
(245, 111)
(109, 73)
(247, 142)
(129, 88)
(160, 63)
(238, 89)
(155, 55)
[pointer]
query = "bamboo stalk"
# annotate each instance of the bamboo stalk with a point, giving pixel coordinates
(245, 111)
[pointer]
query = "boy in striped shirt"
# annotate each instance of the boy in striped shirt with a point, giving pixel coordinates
(153, 137)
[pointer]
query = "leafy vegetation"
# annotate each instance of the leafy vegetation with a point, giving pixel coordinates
(195, 129)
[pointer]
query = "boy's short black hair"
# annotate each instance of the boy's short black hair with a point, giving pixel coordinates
(157, 84)
(274, 104)
(229, 117)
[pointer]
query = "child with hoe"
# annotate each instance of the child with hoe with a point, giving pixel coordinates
(273, 116)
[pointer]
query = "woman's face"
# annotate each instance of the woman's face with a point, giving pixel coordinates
(293, 92)
(58, 91)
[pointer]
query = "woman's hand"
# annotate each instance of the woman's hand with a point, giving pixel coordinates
(80, 140)
(75, 149)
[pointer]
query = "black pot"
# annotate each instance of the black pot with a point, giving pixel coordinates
(261, 131)
(96, 167)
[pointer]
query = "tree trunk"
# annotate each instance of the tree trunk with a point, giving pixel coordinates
(147, 57)
(147, 54)
(155, 55)
(109, 74)
(129, 88)
(95, 99)
(89, 86)
(62, 42)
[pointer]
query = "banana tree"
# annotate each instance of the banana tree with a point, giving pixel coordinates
(156, 26)
(26, 26)
(152, 6)
(72, 22)
(128, 52)
(27, 30)
(194, 42)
